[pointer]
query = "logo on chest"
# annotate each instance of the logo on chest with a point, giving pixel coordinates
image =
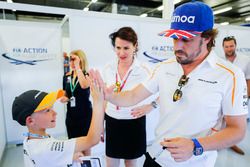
(207, 81)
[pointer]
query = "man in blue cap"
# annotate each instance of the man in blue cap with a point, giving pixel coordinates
(198, 92)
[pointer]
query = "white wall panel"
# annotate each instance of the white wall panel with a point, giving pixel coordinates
(33, 61)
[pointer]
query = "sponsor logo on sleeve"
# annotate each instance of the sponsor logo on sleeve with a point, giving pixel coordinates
(245, 98)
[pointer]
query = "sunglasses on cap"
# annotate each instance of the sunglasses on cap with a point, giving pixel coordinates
(178, 93)
(229, 38)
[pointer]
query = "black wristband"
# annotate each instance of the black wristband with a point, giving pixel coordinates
(85, 73)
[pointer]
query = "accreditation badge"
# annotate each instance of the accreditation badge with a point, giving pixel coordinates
(68, 79)
(72, 101)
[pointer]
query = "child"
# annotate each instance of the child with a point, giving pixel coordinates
(33, 108)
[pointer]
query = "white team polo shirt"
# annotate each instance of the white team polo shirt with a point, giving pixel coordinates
(214, 88)
(139, 72)
(243, 62)
(48, 152)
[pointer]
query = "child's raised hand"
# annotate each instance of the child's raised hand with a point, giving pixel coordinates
(96, 91)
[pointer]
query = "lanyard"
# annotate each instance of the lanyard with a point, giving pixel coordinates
(73, 87)
(28, 134)
(123, 83)
(120, 86)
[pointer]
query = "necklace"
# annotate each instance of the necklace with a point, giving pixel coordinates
(28, 134)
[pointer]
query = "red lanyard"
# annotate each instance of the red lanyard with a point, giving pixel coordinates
(121, 86)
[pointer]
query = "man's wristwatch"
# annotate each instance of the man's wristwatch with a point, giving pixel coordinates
(154, 104)
(198, 149)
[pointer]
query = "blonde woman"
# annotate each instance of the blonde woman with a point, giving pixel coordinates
(79, 108)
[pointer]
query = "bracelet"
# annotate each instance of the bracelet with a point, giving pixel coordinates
(154, 104)
(85, 73)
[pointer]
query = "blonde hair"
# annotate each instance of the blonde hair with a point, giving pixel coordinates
(83, 59)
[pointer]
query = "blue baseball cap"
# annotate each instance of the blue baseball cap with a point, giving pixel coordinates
(189, 20)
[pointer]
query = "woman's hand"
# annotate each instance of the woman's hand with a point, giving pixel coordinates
(140, 111)
(64, 99)
(76, 61)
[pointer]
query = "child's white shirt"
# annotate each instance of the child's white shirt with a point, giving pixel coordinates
(48, 152)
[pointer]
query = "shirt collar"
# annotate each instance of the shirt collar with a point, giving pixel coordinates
(134, 65)
(211, 59)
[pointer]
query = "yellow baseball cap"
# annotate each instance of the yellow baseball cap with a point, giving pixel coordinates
(33, 101)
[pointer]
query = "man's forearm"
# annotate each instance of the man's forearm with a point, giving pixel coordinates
(123, 99)
(129, 98)
(248, 88)
(225, 137)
